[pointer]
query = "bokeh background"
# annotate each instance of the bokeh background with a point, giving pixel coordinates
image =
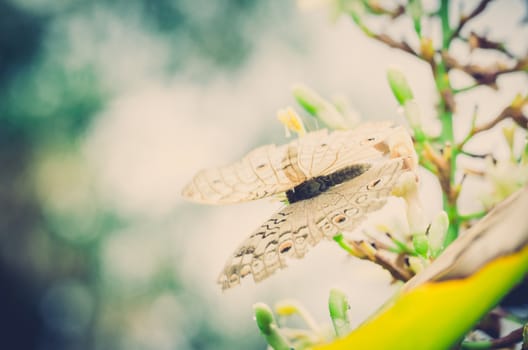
(107, 109)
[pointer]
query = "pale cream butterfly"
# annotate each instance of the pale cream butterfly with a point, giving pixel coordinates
(332, 181)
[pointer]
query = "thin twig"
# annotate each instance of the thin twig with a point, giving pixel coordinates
(485, 75)
(375, 8)
(475, 155)
(396, 272)
(512, 112)
(466, 88)
(473, 216)
(508, 340)
(387, 40)
(476, 41)
(465, 19)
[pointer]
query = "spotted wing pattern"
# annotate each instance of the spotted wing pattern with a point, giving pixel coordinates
(293, 230)
(273, 169)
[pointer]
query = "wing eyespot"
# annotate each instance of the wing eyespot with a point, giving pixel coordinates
(285, 247)
(339, 219)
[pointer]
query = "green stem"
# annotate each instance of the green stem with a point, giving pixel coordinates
(444, 17)
(466, 88)
(343, 244)
(268, 327)
(447, 138)
(446, 118)
(472, 216)
(476, 345)
(454, 222)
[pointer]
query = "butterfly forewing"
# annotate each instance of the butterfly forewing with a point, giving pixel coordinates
(264, 171)
(273, 169)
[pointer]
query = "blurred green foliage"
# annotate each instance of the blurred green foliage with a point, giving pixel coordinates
(55, 233)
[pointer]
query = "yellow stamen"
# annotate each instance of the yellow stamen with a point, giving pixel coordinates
(291, 121)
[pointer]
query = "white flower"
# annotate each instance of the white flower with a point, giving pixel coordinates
(505, 176)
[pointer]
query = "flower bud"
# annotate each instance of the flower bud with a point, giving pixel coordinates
(416, 264)
(427, 49)
(268, 327)
(420, 244)
(437, 232)
(338, 307)
(412, 112)
(320, 108)
(399, 86)
(509, 135)
(415, 10)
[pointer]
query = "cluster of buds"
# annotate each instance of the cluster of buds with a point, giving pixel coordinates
(281, 337)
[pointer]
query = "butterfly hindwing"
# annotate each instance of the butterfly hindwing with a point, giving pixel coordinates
(301, 225)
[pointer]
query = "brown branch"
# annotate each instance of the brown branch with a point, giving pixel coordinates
(443, 166)
(485, 75)
(375, 8)
(465, 19)
(476, 41)
(387, 40)
(508, 340)
(396, 272)
(513, 111)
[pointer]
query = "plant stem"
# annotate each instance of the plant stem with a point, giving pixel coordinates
(445, 111)
(444, 17)
(472, 216)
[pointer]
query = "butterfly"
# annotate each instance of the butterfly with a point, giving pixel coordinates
(332, 180)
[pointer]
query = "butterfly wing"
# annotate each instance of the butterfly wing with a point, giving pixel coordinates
(273, 169)
(263, 172)
(344, 207)
(301, 225)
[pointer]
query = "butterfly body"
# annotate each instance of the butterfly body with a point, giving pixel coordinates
(317, 185)
(332, 181)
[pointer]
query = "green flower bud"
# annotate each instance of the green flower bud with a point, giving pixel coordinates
(320, 108)
(415, 10)
(421, 244)
(399, 86)
(268, 327)
(437, 232)
(338, 306)
(413, 114)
